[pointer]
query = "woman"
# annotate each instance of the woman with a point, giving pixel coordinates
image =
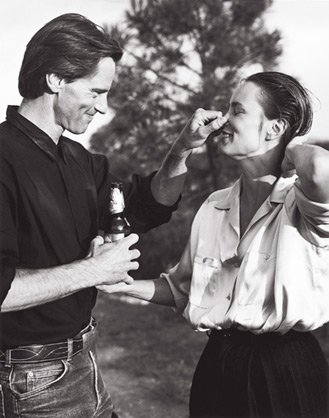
(255, 272)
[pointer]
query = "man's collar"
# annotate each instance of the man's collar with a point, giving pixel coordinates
(32, 131)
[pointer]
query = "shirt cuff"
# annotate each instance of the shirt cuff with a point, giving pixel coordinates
(7, 276)
(316, 210)
(179, 298)
(149, 198)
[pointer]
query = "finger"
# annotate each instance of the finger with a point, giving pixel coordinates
(120, 286)
(131, 239)
(213, 126)
(98, 240)
(132, 265)
(95, 243)
(298, 140)
(128, 280)
(207, 115)
(202, 117)
(107, 238)
(135, 254)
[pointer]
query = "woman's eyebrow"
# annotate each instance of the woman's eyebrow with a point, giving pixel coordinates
(236, 104)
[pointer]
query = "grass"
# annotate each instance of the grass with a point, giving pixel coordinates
(148, 354)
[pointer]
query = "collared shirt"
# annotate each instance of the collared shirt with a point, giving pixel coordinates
(54, 198)
(272, 279)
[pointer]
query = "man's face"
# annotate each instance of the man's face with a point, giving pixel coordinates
(79, 101)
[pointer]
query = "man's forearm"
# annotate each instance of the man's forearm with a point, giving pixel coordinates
(107, 263)
(168, 182)
(35, 287)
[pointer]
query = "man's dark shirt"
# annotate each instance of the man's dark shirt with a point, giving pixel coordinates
(54, 198)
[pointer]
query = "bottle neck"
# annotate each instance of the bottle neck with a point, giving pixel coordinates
(117, 214)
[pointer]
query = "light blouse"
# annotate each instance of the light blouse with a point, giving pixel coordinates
(272, 279)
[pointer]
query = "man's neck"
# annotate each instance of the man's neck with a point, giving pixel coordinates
(40, 112)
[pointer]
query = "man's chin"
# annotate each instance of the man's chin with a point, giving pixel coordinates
(79, 130)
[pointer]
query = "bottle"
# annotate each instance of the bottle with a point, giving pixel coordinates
(119, 226)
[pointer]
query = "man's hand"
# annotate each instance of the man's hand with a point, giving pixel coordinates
(111, 262)
(167, 184)
(199, 127)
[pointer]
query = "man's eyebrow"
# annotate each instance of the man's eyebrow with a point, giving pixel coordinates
(96, 90)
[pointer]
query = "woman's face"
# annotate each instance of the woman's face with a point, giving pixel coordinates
(248, 126)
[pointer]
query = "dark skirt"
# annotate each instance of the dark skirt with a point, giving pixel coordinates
(244, 375)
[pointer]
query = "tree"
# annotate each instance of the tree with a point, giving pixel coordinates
(180, 55)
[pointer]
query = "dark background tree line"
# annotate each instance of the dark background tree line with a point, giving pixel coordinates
(179, 55)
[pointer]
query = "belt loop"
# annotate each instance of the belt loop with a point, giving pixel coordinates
(69, 349)
(7, 358)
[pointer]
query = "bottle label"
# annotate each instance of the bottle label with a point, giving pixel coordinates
(117, 204)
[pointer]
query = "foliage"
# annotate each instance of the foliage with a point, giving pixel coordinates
(179, 55)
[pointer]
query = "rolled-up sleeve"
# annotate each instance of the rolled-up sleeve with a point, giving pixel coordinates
(143, 211)
(179, 277)
(314, 223)
(179, 280)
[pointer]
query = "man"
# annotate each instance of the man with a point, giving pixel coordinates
(54, 199)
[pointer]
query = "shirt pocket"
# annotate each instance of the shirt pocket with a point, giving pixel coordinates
(205, 277)
(255, 283)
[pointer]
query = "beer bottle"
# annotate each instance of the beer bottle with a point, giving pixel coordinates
(119, 226)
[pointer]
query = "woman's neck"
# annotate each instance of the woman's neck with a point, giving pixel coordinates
(259, 174)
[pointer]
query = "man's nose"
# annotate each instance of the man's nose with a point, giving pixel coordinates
(101, 104)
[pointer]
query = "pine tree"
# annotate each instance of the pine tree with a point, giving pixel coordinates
(180, 55)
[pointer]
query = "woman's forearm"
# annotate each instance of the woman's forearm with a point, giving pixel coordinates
(155, 291)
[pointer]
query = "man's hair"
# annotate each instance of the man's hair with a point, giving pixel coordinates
(69, 46)
(283, 97)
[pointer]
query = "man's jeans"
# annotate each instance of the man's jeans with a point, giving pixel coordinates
(56, 389)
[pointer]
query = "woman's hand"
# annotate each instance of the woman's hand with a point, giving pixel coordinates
(288, 166)
(311, 162)
(114, 288)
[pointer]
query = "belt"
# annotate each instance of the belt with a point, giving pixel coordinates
(234, 333)
(36, 353)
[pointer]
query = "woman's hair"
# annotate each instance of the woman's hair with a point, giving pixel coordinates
(283, 97)
(69, 46)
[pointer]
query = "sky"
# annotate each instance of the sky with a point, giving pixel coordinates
(303, 25)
